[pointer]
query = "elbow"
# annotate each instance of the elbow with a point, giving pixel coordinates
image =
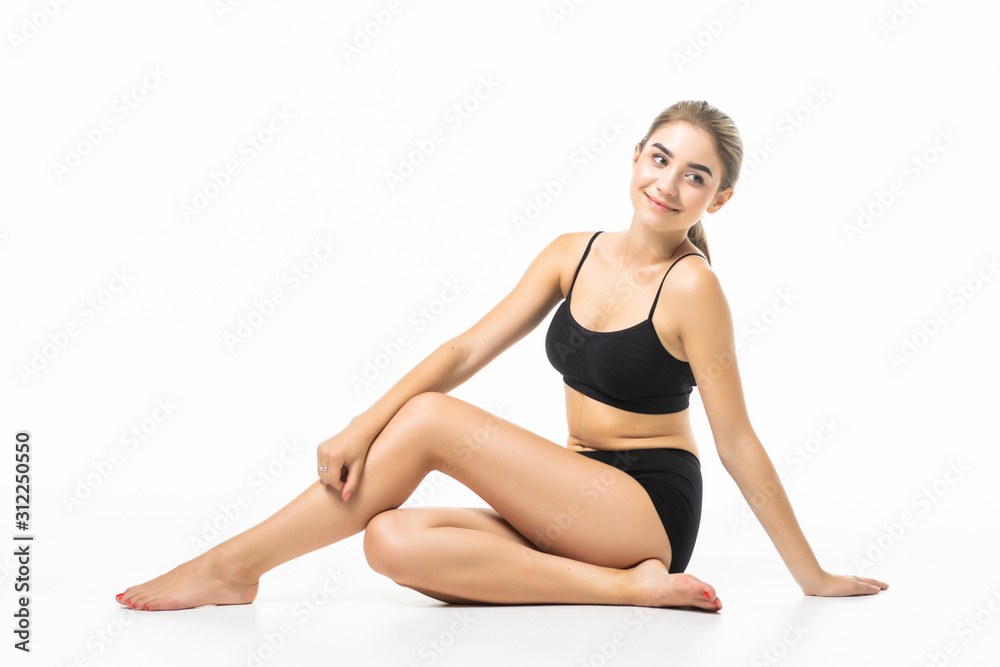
(727, 455)
(458, 351)
(732, 451)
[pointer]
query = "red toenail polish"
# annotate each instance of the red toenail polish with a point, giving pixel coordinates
(707, 596)
(146, 607)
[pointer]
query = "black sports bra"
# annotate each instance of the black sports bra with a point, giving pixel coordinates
(628, 369)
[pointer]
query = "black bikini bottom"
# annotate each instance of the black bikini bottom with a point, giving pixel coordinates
(672, 478)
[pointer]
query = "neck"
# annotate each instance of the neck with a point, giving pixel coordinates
(646, 247)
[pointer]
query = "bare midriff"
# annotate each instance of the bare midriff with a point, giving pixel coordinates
(595, 425)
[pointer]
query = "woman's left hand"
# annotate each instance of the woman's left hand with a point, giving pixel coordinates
(840, 585)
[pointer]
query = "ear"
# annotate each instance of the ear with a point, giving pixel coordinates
(635, 155)
(721, 199)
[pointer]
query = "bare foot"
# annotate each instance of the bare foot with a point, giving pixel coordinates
(654, 586)
(206, 579)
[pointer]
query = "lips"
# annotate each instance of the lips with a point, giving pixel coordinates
(658, 205)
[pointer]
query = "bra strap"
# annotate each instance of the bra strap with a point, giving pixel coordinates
(657, 297)
(580, 265)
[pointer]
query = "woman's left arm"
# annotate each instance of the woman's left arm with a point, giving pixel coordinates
(706, 331)
(752, 470)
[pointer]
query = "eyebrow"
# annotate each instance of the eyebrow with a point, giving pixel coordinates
(693, 165)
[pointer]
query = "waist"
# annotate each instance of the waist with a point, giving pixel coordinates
(612, 442)
(595, 426)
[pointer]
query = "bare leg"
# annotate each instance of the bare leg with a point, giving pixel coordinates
(526, 478)
(471, 555)
(229, 572)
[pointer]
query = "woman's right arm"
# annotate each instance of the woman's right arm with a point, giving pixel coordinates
(453, 362)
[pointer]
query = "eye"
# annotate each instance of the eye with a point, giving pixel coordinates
(664, 158)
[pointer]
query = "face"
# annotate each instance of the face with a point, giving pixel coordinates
(677, 168)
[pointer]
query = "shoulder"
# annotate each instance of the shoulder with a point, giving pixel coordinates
(698, 297)
(553, 266)
(563, 254)
(692, 272)
(573, 240)
(567, 246)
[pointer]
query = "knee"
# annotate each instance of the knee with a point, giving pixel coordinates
(385, 543)
(420, 418)
(425, 408)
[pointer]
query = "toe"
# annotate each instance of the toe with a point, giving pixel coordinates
(131, 597)
(706, 597)
(127, 596)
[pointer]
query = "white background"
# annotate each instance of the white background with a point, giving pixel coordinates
(832, 109)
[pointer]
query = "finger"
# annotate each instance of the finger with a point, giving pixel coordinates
(329, 476)
(875, 583)
(353, 479)
(867, 589)
(335, 477)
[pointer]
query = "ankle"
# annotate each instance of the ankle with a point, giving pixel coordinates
(647, 581)
(628, 587)
(231, 564)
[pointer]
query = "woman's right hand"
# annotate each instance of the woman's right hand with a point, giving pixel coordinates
(344, 457)
(843, 585)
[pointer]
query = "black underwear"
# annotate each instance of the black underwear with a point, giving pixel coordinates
(672, 478)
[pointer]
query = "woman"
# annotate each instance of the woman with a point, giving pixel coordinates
(612, 517)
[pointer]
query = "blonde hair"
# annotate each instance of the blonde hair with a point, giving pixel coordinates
(728, 145)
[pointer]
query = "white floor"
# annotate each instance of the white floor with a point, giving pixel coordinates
(368, 620)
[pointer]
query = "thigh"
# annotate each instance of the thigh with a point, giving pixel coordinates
(483, 519)
(562, 502)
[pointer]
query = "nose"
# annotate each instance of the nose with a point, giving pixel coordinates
(666, 184)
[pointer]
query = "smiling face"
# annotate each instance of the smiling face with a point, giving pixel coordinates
(676, 178)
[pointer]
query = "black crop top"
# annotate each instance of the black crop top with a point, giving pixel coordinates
(628, 369)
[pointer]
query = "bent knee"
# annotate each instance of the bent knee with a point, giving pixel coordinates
(386, 540)
(424, 407)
